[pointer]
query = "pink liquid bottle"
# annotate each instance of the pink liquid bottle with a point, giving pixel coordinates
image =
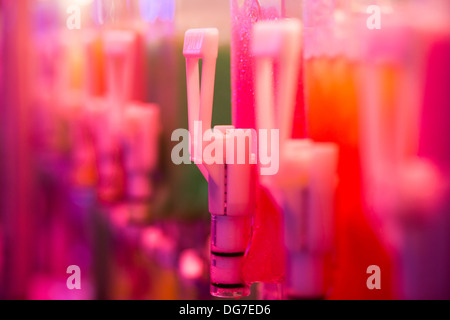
(267, 223)
(403, 148)
(426, 271)
(244, 14)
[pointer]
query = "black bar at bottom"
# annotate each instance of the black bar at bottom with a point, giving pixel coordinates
(228, 286)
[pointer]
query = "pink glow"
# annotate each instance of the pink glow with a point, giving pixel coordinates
(191, 265)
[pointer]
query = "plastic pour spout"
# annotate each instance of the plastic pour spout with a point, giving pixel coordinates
(230, 184)
(141, 141)
(304, 185)
(119, 51)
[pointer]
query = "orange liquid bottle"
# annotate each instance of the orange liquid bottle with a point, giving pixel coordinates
(331, 102)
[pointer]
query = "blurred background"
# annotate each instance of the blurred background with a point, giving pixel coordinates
(91, 91)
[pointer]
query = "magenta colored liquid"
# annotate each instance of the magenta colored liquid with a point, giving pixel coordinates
(242, 86)
(299, 128)
(267, 223)
(435, 118)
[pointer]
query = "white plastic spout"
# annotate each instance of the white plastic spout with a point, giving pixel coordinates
(231, 199)
(304, 185)
(119, 46)
(141, 134)
(200, 44)
(276, 42)
(141, 131)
